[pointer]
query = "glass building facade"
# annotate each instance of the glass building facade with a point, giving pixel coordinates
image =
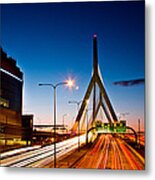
(11, 83)
(11, 89)
(11, 92)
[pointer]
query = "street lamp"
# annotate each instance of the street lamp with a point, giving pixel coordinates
(139, 131)
(87, 125)
(63, 120)
(123, 115)
(78, 105)
(69, 83)
(75, 102)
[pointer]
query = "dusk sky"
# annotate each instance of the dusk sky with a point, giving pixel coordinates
(53, 41)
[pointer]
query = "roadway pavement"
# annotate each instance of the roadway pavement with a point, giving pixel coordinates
(111, 153)
(39, 156)
(107, 152)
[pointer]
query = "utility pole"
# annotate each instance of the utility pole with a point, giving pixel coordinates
(139, 131)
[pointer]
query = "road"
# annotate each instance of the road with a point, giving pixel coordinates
(111, 153)
(38, 156)
(141, 139)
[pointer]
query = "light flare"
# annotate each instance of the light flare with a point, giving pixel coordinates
(70, 83)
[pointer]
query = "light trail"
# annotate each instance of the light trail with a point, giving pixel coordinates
(112, 153)
(109, 152)
(18, 151)
(141, 138)
(26, 158)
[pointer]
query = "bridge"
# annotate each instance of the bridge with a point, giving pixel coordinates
(91, 143)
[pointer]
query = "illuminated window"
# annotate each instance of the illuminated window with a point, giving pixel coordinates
(4, 102)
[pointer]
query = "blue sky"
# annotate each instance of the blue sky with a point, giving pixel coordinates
(53, 41)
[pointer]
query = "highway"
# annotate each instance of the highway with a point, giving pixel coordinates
(111, 153)
(38, 156)
(141, 138)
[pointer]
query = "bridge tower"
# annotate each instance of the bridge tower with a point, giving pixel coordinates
(103, 100)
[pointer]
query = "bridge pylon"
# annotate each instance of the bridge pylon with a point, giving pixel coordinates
(103, 102)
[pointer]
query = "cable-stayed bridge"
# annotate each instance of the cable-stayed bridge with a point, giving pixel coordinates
(92, 143)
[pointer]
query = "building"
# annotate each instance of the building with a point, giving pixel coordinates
(11, 83)
(27, 128)
(11, 92)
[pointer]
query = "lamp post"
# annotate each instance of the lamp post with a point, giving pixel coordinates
(69, 83)
(78, 105)
(63, 120)
(123, 115)
(139, 131)
(87, 125)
